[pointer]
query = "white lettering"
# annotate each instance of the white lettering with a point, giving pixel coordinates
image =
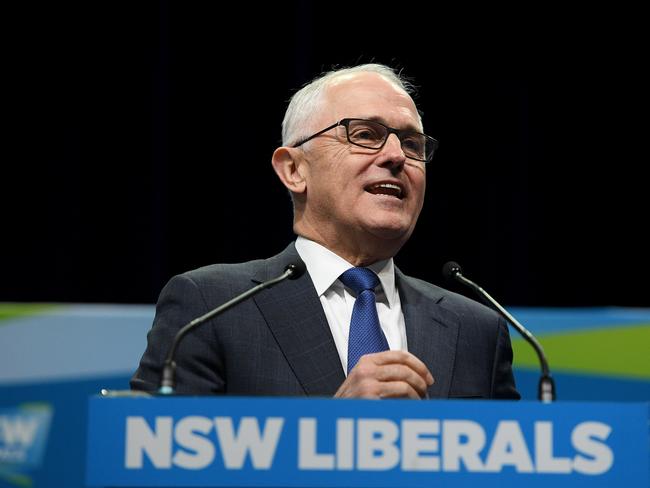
(376, 448)
(344, 444)
(17, 430)
(545, 462)
(157, 444)
(308, 458)
(235, 446)
(509, 448)
(361, 444)
(186, 436)
(583, 440)
(417, 451)
(12, 455)
(456, 449)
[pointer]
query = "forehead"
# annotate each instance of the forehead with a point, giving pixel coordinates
(370, 95)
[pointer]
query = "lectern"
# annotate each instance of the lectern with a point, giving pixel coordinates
(290, 442)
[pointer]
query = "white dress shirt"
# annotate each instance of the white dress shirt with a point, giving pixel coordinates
(325, 267)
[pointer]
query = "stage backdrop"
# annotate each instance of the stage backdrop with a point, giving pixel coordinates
(53, 357)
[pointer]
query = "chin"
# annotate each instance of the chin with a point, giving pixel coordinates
(392, 232)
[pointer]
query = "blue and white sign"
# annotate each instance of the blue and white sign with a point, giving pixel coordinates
(23, 438)
(312, 442)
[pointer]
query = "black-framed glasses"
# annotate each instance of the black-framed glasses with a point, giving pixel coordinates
(371, 134)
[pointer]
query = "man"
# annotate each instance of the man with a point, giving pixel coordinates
(353, 159)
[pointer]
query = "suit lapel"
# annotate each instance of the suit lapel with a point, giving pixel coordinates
(431, 332)
(296, 319)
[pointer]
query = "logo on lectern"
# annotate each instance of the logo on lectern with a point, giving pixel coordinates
(23, 438)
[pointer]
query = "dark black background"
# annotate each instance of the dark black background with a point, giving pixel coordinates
(140, 136)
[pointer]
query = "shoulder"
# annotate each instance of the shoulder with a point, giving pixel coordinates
(237, 276)
(218, 273)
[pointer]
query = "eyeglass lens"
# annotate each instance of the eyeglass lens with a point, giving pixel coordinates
(372, 135)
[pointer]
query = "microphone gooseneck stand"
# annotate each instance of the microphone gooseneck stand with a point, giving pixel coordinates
(168, 380)
(546, 386)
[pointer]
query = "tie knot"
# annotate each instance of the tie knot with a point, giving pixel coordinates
(360, 279)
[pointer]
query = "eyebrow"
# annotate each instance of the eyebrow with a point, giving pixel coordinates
(381, 120)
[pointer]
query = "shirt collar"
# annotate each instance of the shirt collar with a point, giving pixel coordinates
(325, 267)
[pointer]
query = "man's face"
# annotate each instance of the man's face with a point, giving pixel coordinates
(354, 193)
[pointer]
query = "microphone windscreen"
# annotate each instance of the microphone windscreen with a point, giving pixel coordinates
(298, 269)
(450, 270)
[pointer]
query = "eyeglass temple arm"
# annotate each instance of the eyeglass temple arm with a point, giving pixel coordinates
(300, 143)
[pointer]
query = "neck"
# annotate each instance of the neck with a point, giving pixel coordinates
(358, 250)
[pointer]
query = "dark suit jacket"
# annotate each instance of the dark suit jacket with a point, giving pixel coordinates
(279, 342)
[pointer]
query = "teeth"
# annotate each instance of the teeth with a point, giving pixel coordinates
(387, 185)
(392, 186)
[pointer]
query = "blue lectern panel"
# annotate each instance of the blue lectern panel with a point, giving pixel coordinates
(341, 443)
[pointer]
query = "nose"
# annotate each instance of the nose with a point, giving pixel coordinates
(392, 155)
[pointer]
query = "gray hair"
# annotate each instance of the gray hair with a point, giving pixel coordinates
(306, 101)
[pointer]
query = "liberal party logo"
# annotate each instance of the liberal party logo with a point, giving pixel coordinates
(23, 438)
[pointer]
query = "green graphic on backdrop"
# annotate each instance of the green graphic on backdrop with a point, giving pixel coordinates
(17, 310)
(621, 351)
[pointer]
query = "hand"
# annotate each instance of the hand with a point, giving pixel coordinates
(387, 374)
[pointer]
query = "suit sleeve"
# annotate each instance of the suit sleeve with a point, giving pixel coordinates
(503, 382)
(199, 368)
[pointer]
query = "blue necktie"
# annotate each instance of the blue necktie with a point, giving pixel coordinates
(365, 332)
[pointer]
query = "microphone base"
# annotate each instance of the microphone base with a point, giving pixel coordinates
(105, 393)
(546, 389)
(168, 378)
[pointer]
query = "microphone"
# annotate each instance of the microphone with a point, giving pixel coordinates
(168, 382)
(546, 387)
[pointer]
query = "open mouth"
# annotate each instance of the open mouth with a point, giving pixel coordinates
(389, 189)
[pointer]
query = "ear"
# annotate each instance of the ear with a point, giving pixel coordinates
(290, 168)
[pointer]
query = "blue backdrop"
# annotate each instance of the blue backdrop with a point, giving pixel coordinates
(52, 358)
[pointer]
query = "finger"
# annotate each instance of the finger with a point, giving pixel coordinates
(404, 357)
(398, 389)
(402, 372)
